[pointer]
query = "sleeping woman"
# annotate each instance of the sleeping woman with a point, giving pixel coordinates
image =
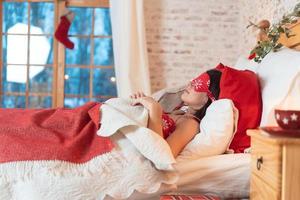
(182, 124)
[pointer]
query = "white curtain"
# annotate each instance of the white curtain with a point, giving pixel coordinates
(129, 43)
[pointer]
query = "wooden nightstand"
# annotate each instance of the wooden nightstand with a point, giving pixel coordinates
(275, 166)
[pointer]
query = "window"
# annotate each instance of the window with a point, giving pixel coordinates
(37, 71)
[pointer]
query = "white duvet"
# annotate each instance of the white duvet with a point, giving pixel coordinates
(133, 165)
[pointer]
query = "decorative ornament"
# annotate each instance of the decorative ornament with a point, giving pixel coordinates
(268, 36)
(61, 33)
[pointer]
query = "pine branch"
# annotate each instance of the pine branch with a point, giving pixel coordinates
(273, 33)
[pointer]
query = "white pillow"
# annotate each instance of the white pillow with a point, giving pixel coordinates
(119, 116)
(217, 129)
(276, 73)
(244, 63)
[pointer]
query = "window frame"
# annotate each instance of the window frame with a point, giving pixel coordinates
(59, 56)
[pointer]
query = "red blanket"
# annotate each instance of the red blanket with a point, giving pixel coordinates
(52, 134)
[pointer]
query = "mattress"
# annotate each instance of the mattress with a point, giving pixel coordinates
(227, 176)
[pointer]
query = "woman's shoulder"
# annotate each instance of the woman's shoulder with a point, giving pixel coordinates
(187, 120)
(187, 125)
(188, 116)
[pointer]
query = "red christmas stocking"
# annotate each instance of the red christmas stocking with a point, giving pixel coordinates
(61, 33)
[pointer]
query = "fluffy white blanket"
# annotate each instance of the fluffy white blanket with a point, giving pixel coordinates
(141, 161)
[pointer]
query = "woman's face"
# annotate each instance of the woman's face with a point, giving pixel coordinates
(192, 98)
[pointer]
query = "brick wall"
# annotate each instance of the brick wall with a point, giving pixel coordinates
(185, 38)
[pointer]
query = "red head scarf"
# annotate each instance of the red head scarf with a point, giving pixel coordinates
(201, 84)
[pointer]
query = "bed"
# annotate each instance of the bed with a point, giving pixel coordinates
(141, 160)
(227, 176)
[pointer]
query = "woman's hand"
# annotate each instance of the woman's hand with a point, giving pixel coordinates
(137, 95)
(148, 102)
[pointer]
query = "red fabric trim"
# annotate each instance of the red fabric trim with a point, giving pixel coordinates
(52, 134)
(189, 197)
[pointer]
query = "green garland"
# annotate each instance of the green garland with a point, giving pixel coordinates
(264, 47)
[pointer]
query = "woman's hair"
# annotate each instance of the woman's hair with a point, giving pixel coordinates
(214, 87)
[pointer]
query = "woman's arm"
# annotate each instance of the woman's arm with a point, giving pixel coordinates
(155, 120)
(185, 131)
(155, 111)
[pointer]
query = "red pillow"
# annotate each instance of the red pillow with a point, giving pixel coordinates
(243, 88)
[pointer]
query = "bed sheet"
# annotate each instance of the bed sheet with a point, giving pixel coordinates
(227, 176)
